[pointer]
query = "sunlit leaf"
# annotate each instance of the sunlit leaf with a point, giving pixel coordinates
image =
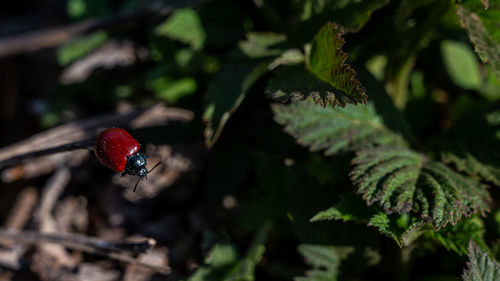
(482, 26)
(461, 64)
(401, 180)
(480, 267)
(327, 79)
(335, 130)
(185, 26)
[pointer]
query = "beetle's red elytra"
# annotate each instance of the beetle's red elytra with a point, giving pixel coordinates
(114, 146)
(116, 149)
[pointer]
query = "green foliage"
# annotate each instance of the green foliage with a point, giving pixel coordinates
(80, 47)
(476, 152)
(84, 9)
(401, 180)
(222, 262)
(172, 90)
(480, 266)
(461, 64)
(226, 92)
(351, 207)
(329, 81)
(185, 26)
(325, 261)
(482, 27)
(334, 129)
(230, 85)
(457, 237)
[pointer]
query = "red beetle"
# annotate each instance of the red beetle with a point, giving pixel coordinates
(118, 150)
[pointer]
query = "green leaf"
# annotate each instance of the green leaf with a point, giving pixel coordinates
(171, 90)
(328, 79)
(328, 62)
(457, 237)
(222, 261)
(401, 180)
(84, 9)
(335, 129)
(227, 91)
(480, 266)
(482, 28)
(325, 261)
(475, 153)
(221, 257)
(259, 44)
(229, 87)
(244, 269)
(80, 47)
(350, 14)
(185, 26)
(351, 207)
(461, 64)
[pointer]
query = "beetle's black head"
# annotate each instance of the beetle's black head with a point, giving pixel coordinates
(136, 165)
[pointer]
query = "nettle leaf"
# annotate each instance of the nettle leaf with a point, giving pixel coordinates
(482, 26)
(457, 237)
(327, 78)
(401, 180)
(402, 228)
(475, 153)
(480, 266)
(325, 261)
(335, 129)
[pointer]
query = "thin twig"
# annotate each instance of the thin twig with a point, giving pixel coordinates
(88, 144)
(124, 258)
(72, 240)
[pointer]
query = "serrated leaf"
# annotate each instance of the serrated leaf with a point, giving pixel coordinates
(482, 27)
(480, 266)
(457, 237)
(185, 26)
(325, 261)
(401, 180)
(391, 226)
(334, 129)
(349, 208)
(475, 153)
(327, 80)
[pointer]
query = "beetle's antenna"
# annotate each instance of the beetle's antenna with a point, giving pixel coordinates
(138, 179)
(154, 167)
